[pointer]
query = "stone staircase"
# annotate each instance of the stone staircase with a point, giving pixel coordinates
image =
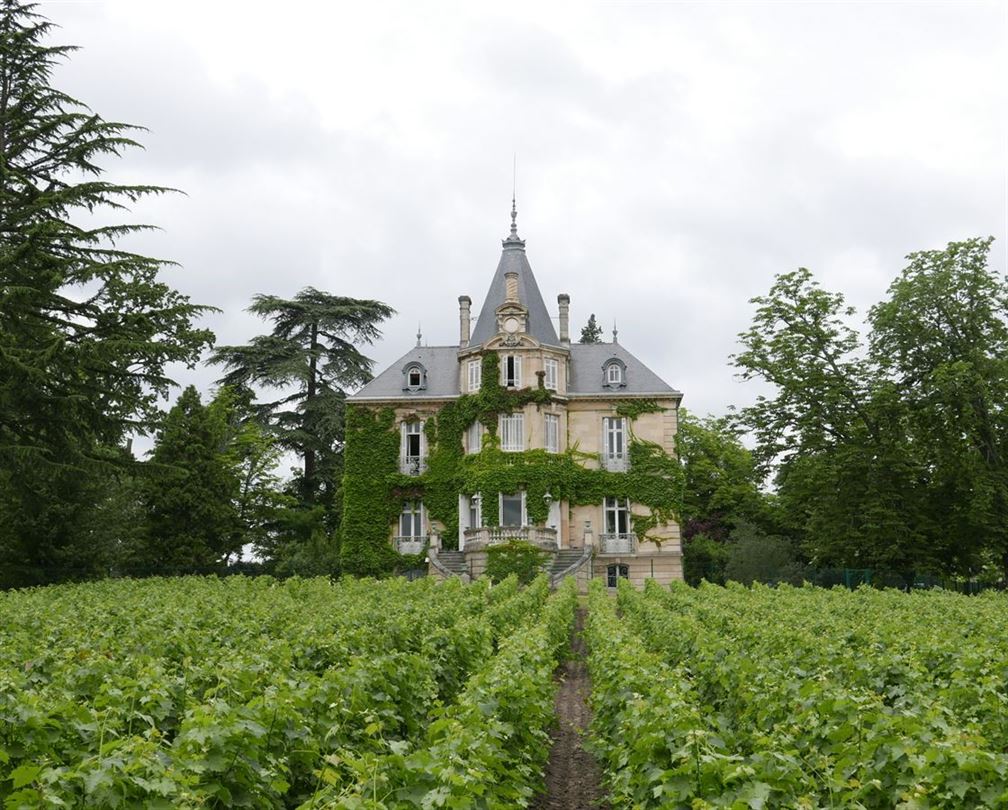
(563, 560)
(454, 561)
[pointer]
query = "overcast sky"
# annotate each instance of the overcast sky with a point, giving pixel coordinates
(672, 158)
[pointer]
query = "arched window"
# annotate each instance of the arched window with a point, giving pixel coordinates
(614, 373)
(614, 572)
(414, 377)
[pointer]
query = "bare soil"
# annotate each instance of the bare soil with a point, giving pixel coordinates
(572, 774)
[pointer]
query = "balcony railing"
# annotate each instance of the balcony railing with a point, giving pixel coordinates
(615, 462)
(625, 543)
(411, 545)
(542, 536)
(412, 465)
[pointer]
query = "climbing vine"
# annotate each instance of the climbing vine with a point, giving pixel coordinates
(374, 489)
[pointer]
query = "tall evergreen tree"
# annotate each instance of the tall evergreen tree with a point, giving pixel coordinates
(311, 349)
(192, 494)
(86, 326)
(591, 332)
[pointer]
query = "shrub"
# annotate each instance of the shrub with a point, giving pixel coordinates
(525, 560)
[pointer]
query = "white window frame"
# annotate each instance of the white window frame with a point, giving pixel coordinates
(511, 430)
(614, 438)
(407, 429)
(551, 432)
(500, 507)
(617, 508)
(475, 369)
(614, 374)
(474, 437)
(514, 380)
(414, 510)
(551, 367)
(475, 511)
(413, 428)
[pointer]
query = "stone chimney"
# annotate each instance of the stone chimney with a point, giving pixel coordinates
(511, 287)
(564, 301)
(465, 302)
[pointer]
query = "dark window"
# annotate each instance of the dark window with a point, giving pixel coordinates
(511, 510)
(614, 572)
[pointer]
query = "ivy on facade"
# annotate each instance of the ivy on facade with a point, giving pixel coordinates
(374, 488)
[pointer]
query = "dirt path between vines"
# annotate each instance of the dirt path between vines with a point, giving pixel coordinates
(573, 781)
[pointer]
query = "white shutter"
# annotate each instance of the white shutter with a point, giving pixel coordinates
(518, 371)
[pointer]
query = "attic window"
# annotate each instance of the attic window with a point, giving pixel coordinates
(614, 373)
(414, 377)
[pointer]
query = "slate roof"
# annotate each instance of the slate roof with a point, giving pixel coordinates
(586, 378)
(513, 259)
(441, 364)
(587, 360)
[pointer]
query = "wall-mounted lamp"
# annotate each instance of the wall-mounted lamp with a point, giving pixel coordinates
(548, 498)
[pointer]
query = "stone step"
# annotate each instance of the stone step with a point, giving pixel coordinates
(454, 561)
(564, 559)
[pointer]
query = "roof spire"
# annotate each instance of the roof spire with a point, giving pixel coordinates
(419, 333)
(513, 240)
(614, 332)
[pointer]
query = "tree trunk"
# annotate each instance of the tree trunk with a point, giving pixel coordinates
(309, 451)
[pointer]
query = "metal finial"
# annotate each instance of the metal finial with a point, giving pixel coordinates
(514, 218)
(419, 333)
(614, 332)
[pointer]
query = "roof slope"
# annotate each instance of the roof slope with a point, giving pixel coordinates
(440, 363)
(586, 375)
(513, 259)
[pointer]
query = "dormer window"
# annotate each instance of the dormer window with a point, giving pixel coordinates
(414, 377)
(614, 373)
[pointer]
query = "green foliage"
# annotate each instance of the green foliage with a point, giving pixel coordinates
(524, 560)
(591, 332)
(200, 692)
(721, 481)
(191, 492)
(312, 349)
(632, 408)
(704, 559)
(757, 557)
(489, 748)
(87, 328)
(374, 490)
(797, 697)
(369, 508)
(894, 456)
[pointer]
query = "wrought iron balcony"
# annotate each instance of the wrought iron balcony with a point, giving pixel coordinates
(625, 543)
(615, 462)
(412, 465)
(542, 536)
(411, 545)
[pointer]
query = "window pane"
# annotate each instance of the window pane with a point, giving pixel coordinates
(511, 510)
(552, 429)
(550, 381)
(409, 520)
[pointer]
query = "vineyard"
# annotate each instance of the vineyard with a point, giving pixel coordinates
(256, 693)
(800, 698)
(193, 692)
